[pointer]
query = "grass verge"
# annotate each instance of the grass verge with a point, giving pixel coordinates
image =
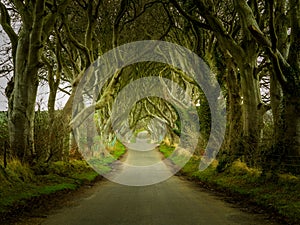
(103, 164)
(281, 197)
(20, 184)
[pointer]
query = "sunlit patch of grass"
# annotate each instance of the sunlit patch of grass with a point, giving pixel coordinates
(166, 150)
(119, 150)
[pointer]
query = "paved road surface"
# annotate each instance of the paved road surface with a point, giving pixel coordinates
(172, 202)
(141, 168)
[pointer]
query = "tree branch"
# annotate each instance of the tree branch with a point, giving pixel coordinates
(190, 17)
(77, 44)
(6, 25)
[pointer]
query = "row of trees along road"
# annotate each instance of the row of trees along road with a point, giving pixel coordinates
(251, 46)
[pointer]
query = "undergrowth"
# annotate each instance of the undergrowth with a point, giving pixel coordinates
(19, 182)
(281, 196)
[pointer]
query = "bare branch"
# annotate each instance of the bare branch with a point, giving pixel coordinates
(6, 25)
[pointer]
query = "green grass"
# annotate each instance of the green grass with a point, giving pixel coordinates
(118, 150)
(166, 150)
(103, 164)
(179, 157)
(87, 176)
(282, 196)
(20, 183)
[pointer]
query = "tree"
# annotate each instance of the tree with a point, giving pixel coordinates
(37, 21)
(241, 52)
(282, 48)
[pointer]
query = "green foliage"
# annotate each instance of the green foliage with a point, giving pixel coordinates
(3, 127)
(41, 138)
(51, 137)
(41, 133)
(4, 138)
(19, 172)
(282, 196)
(166, 150)
(86, 176)
(204, 118)
(241, 169)
(19, 182)
(177, 130)
(103, 164)
(67, 168)
(57, 187)
(118, 150)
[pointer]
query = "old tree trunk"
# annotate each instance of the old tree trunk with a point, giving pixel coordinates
(286, 68)
(36, 24)
(290, 124)
(22, 99)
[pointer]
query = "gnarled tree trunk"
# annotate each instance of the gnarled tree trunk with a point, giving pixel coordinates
(36, 25)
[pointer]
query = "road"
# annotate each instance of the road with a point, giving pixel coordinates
(171, 202)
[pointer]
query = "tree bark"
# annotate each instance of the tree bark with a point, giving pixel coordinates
(37, 23)
(232, 148)
(244, 54)
(250, 114)
(287, 125)
(22, 101)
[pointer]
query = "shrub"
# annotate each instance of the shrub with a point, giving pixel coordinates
(16, 171)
